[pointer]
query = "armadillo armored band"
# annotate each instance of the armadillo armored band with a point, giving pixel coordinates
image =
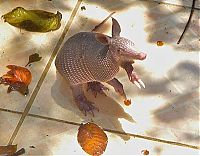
(80, 60)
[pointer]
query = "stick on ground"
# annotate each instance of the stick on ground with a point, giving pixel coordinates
(188, 22)
(100, 24)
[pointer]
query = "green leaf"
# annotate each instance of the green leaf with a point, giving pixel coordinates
(33, 20)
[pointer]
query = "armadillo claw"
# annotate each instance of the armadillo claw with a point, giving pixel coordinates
(142, 83)
(138, 83)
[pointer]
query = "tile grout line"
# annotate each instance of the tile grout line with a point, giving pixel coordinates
(107, 130)
(44, 73)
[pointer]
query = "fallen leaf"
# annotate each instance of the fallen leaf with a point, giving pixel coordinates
(127, 102)
(33, 58)
(160, 43)
(145, 152)
(92, 139)
(33, 20)
(18, 78)
(8, 150)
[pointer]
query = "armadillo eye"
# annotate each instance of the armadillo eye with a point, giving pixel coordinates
(119, 50)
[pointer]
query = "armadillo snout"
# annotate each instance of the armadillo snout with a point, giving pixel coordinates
(141, 56)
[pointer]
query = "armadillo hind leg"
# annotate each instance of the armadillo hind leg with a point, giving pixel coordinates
(80, 99)
(96, 87)
(118, 87)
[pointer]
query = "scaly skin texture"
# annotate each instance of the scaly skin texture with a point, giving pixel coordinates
(80, 60)
(91, 58)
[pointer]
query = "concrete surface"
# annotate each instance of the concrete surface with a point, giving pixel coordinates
(163, 118)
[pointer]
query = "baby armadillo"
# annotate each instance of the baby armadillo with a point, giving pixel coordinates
(91, 58)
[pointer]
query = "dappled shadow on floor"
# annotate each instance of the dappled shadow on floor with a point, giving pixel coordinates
(181, 108)
(167, 26)
(186, 76)
(113, 5)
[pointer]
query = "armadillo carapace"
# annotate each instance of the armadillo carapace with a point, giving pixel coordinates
(91, 58)
(81, 60)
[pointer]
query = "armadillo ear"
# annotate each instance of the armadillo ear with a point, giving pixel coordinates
(103, 38)
(115, 28)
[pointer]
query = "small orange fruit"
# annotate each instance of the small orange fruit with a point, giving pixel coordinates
(160, 43)
(127, 102)
(145, 152)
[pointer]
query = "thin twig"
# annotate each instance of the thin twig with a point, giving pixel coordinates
(188, 22)
(100, 24)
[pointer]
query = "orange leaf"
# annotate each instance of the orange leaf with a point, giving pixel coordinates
(92, 139)
(19, 74)
(18, 78)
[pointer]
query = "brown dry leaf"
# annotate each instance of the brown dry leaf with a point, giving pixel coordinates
(8, 150)
(92, 139)
(127, 102)
(33, 58)
(18, 78)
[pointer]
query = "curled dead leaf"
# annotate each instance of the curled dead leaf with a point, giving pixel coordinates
(92, 139)
(18, 78)
(33, 20)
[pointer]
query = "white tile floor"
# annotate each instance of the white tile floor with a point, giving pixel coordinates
(168, 109)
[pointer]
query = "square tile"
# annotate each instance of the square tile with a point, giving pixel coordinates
(35, 139)
(17, 45)
(8, 122)
(53, 138)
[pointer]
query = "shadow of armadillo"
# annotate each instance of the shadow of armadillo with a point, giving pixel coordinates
(109, 110)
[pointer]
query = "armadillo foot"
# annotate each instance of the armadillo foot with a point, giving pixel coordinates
(96, 87)
(118, 87)
(85, 105)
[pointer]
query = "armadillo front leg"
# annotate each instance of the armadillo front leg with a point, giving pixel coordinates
(118, 87)
(132, 75)
(82, 102)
